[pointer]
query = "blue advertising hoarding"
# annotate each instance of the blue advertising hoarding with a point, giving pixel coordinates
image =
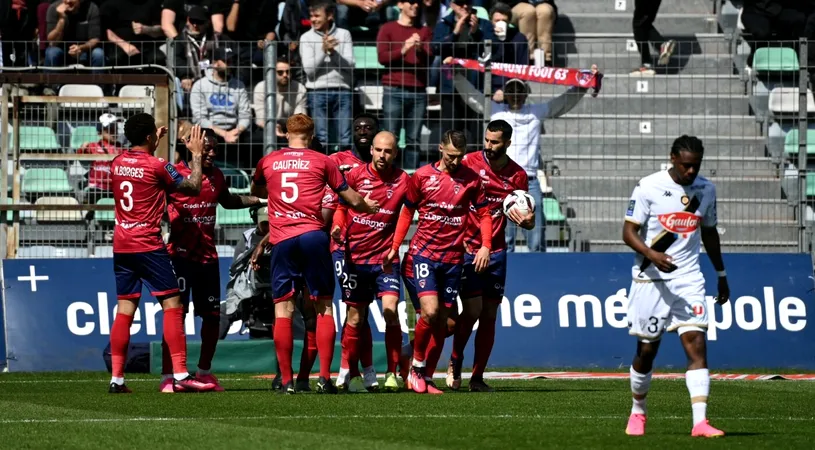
(560, 310)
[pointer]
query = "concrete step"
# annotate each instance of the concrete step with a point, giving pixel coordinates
(641, 144)
(570, 163)
(622, 43)
(635, 124)
(734, 230)
(728, 246)
(683, 84)
(728, 209)
(620, 22)
(668, 104)
(612, 6)
(622, 63)
(621, 185)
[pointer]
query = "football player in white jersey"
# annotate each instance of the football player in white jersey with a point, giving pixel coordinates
(669, 214)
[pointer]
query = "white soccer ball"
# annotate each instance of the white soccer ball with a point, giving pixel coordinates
(521, 201)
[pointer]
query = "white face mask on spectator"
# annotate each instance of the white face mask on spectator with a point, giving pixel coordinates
(501, 30)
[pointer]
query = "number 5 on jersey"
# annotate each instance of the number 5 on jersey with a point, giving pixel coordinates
(285, 183)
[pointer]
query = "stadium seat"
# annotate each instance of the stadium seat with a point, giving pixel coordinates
(24, 215)
(811, 184)
(784, 101)
(791, 143)
(402, 142)
(82, 90)
(136, 90)
(38, 138)
(481, 12)
(372, 97)
(83, 135)
(105, 216)
(237, 180)
(775, 59)
(365, 57)
(551, 209)
(232, 217)
(39, 180)
(58, 216)
(48, 251)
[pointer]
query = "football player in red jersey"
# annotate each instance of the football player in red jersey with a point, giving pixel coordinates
(294, 181)
(361, 238)
(139, 181)
(443, 194)
(195, 258)
(482, 293)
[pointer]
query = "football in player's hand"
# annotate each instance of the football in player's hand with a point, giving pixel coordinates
(521, 201)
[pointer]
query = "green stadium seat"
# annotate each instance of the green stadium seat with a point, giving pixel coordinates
(365, 57)
(791, 142)
(83, 135)
(38, 138)
(481, 12)
(402, 142)
(237, 180)
(232, 217)
(45, 180)
(551, 209)
(105, 216)
(811, 184)
(767, 59)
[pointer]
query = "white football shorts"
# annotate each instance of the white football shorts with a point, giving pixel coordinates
(668, 305)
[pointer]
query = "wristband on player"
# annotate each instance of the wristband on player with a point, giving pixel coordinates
(721, 273)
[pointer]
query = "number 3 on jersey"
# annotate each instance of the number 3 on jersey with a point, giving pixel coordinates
(286, 183)
(127, 200)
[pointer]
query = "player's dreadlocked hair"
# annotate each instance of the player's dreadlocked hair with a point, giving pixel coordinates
(687, 143)
(501, 126)
(455, 137)
(138, 127)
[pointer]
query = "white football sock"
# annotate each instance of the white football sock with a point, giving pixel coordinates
(118, 380)
(698, 383)
(640, 384)
(181, 376)
(342, 377)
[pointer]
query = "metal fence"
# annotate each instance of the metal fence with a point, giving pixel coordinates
(744, 99)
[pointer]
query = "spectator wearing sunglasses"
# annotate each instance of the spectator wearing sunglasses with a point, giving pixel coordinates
(290, 99)
(192, 48)
(175, 12)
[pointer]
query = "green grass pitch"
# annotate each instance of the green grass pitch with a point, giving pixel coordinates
(74, 411)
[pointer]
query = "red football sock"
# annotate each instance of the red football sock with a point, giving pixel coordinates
(119, 341)
(393, 346)
(176, 340)
(166, 361)
(308, 356)
(326, 334)
(210, 329)
(283, 344)
(464, 328)
(352, 340)
(366, 346)
(344, 353)
(484, 339)
(421, 338)
(434, 350)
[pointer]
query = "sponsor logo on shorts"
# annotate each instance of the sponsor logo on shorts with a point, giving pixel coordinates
(697, 309)
(422, 283)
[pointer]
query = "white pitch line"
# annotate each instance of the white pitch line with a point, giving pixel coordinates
(376, 416)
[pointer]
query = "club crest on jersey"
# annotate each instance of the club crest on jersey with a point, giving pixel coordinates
(389, 193)
(506, 185)
(685, 200)
(682, 223)
(456, 188)
(366, 181)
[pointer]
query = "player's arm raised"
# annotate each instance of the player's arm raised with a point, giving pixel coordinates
(195, 144)
(713, 247)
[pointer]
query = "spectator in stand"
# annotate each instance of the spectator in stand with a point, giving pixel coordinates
(134, 26)
(769, 21)
(294, 23)
(174, 14)
(461, 34)
(404, 49)
(220, 101)
(327, 53)
(74, 28)
(370, 14)
(431, 12)
(290, 100)
(192, 47)
(510, 47)
(99, 173)
(536, 20)
(255, 21)
(18, 28)
(645, 12)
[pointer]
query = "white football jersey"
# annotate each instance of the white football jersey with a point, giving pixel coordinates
(660, 206)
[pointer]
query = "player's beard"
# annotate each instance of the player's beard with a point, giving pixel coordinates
(493, 154)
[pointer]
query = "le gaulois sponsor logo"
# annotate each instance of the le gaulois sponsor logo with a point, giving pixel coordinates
(682, 222)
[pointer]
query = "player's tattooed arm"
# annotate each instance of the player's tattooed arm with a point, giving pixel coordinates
(195, 144)
(233, 201)
(713, 247)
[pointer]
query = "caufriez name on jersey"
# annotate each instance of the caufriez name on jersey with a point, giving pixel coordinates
(127, 171)
(291, 164)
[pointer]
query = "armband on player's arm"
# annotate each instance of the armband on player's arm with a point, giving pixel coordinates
(486, 227)
(402, 226)
(340, 216)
